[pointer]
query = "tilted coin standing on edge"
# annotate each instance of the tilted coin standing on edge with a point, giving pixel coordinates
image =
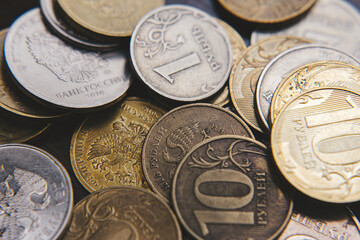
(314, 75)
(106, 148)
(330, 22)
(61, 75)
(123, 213)
(36, 194)
(268, 11)
(174, 135)
(181, 53)
(315, 144)
(287, 61)
(224, 189)
(247, 69)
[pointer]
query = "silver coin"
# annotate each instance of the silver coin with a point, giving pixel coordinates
(59, 74)
(330, 22)
(65, 32)
(35, 194)
(287, 61)
(181, 53)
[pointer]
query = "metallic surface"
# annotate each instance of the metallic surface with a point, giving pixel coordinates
(314, 75)
(108, 17)
(181, 53)
(36, 194)
(223, 189)
(174, 135)
(65, 32)
(286, 62)
(106, 148)
(245, 74)
(59, 74)
(315, 144)
(267, 11)
(123, 213)
(330, 22)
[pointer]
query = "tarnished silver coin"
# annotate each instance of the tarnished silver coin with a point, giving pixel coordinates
(181, 53)
(65, 32)
(288, 61)
(330, 22)
(35, 194)
(60, 75)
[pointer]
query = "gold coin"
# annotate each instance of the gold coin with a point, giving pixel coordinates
(267, 11)
(245, 74)
(13, 100)
(106, 149)
(113, 18)
(314, 75)
(315, 144)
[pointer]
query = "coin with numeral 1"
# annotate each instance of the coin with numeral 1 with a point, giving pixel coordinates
(315, 143)
(181, 53)
(225, 189)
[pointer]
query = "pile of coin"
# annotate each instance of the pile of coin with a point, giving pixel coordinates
(167, 98)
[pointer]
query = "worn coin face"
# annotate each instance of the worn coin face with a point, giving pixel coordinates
(246, 72)
(314, 75)
(315, 144)
(181, 53)
(123, 213)
(287, 61)
(329, 22)
(223, 189)
(36, 194)
(106, 149)
(112, 18)
(174, 135)
(59, 74)
(65, 32)
(267, 11)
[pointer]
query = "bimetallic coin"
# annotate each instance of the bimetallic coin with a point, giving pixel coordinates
(60, 75)
(123, 213)
(314, 75)
(112, 18)
(267, 11)
(245, 74)
(315, 144)
(65, 32)
(106, 149)
(36, 194)
(223, 189)
(330, 22)
(287, 61)
(181, 53)
(174, 135)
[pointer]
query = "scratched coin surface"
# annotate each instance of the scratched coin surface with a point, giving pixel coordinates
(112, 18)
(330, 22)
(36, 194)
(314, 75)
(267, 11)
(61, 75)
(106, 149)
(181, 53)
(245, 74)
(284, 63)
(315, 144)
(174, 135)
(224, 189)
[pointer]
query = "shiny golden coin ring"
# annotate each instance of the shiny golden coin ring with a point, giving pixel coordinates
(106, 149)
(113, 18)
(314, 75)
(267, 11)
(315, 143)
(247, 69)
